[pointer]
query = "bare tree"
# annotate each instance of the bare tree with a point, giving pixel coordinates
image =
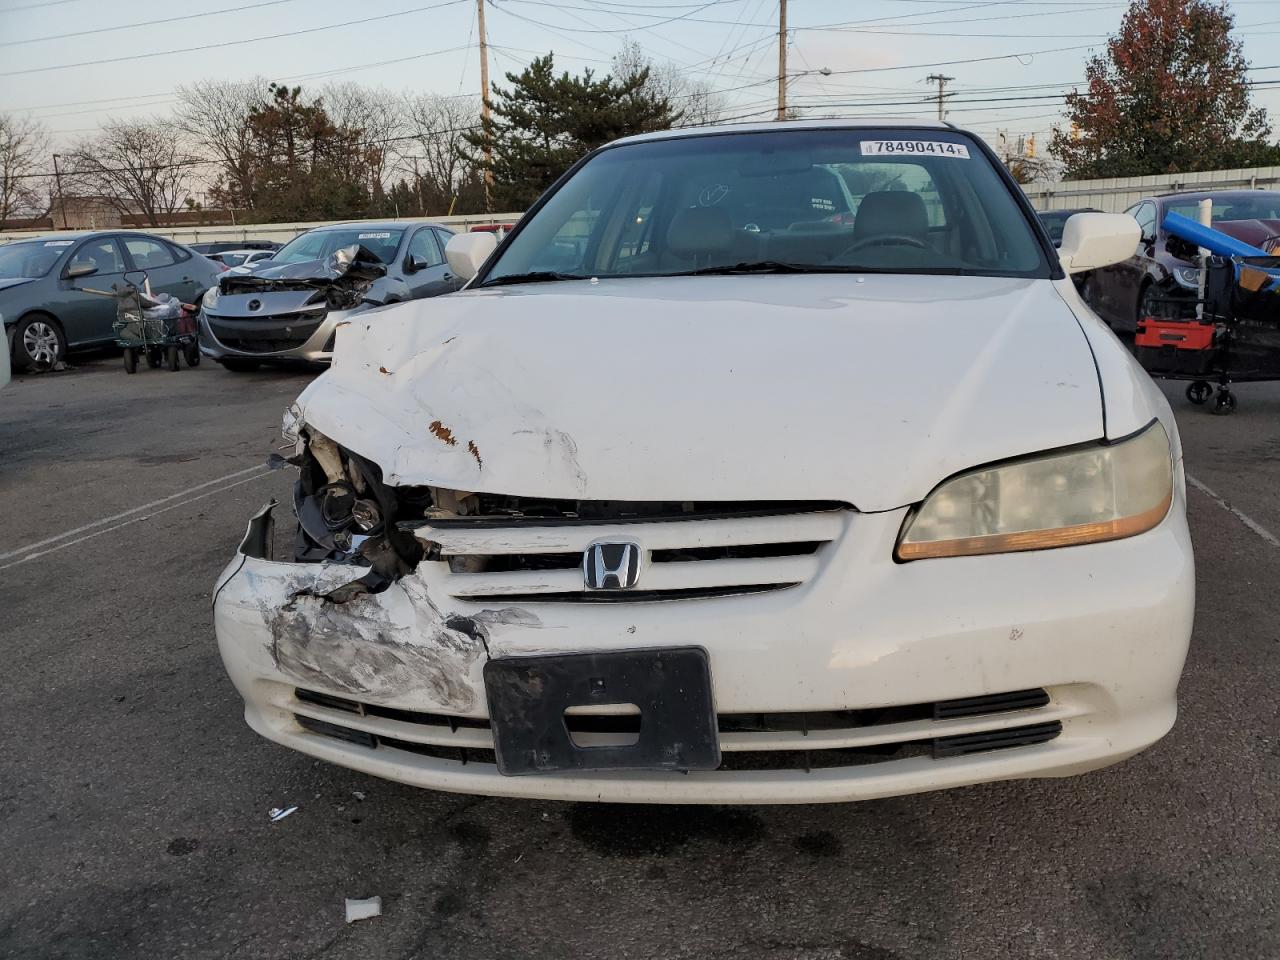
(24, 155)
(214, 114)
(437, 152)
(137, 167)
(378, 117)
(698, 103)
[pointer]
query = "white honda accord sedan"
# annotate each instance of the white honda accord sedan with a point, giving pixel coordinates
(759, 464)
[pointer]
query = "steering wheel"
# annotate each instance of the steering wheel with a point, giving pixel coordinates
(884, 240)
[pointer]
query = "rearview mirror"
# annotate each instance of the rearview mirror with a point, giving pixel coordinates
(413, 264)
(1093, 240)
(81, 270)
(467, 252)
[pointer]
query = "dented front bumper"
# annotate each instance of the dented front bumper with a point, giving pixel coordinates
(391, 683)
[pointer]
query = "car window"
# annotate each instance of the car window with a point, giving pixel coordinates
(1146, 217)
(102, 254)
(30, 259)
(233, 259)
(317, 244)
(836, 199)
(424, 245)
(148, 254)
(1265, 205)
(179, 253)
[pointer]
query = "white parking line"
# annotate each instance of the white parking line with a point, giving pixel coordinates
(137, 514)
(1240, 515)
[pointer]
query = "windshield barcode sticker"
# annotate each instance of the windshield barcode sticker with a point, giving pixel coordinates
(58, 243)
(929, 148)
(374, 236)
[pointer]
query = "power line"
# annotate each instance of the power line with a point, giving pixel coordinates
(143, 23)
(156, 167)
(231, 43)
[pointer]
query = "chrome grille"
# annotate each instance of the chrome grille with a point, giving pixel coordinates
(683, 556)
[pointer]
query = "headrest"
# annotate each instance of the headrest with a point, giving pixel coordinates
(696, 231)
(891, 212)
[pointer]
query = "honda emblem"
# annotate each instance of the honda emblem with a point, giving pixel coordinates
(611, 566)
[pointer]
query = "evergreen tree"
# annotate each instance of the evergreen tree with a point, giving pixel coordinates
(544, 123)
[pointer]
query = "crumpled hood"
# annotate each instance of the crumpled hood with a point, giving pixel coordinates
(1260, 233)
(796, 387)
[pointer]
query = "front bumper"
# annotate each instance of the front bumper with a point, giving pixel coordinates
(392, 683)
(254, 342)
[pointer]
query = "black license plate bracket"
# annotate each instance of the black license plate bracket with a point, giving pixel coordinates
(671, 686)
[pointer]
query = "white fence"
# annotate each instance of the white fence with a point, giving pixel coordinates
(279, 232)
(1117, 194)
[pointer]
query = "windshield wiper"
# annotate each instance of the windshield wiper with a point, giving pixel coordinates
(535, 276)
(758, 266)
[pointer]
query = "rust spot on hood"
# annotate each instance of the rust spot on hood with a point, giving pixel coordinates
(384, 370)
(475, 452)
(443, 433)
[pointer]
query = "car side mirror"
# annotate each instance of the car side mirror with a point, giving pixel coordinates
(467, 252)
(1093, 240)
(81, 270)
(1182, 249)
(413, 264)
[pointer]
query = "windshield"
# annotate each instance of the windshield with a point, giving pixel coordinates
(827, 200)
(1264, 205)
(30, 258)
(319, 244)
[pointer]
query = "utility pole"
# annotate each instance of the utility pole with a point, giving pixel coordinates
(484, 106)
(782, 59)
(57, 178)
(942, 86)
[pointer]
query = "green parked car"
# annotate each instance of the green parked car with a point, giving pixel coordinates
(47, 311)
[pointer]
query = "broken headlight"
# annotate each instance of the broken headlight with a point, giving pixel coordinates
(346, 514)
(1088, 494)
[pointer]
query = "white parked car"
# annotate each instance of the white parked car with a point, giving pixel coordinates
(775, 463)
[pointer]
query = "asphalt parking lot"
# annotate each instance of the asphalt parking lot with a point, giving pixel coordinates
(133, 799)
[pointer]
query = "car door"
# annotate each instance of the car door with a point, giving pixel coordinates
(442, 237)
(1131, 273)
(87, 317)
(165, 271)
(425, 270)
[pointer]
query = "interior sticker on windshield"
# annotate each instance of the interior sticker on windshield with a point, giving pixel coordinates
(932, 148)
(374, 236)
(58, 243)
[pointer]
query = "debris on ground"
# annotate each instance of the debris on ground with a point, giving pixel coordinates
(277, 813)
(358, 794)
(363, 909)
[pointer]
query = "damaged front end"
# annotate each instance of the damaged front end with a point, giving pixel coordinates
(290, 311)
(344, 609)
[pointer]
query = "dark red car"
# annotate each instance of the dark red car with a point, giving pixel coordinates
(1136, 287)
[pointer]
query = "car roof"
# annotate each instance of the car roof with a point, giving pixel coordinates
(86, 234)
(854, 123)
(372, 225)
(1208, 194)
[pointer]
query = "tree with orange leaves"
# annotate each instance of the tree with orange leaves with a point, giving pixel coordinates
(1171, 94)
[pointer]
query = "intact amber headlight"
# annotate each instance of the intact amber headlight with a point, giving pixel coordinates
(1081, 495)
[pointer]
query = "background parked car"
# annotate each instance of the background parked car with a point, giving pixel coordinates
(222, 246)
(43, 282)
(1136, 287)
(293, 315)
(241, 258)
(1055, 220)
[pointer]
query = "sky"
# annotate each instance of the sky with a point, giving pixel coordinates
(75, 63)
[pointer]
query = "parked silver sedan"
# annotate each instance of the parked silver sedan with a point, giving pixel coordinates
(286, 309)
